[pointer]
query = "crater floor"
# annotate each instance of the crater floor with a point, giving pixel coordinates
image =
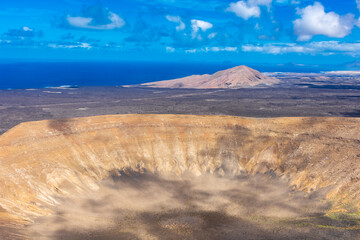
(135, 205)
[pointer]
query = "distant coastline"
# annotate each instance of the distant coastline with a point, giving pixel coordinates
(27, 75)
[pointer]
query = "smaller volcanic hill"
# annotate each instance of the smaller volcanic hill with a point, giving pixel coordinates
(236, 77)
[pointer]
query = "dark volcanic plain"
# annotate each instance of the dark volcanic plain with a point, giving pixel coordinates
(18, 106)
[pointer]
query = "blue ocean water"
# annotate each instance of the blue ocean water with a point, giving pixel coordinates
(20, 75)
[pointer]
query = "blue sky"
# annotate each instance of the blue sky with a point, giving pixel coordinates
(250, 31)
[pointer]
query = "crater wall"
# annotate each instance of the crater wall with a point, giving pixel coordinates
(42, 160)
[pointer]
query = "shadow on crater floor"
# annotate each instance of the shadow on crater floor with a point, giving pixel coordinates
(134, 205)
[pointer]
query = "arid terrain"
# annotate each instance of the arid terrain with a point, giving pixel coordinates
(17, 106)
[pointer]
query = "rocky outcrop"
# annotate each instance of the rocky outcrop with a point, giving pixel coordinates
(42, 160)
(237, 77)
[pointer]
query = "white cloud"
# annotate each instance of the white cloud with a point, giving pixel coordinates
(293, 2)
(176, 19)
(170, 49)
(229, 49)
(85, 45)
(273, 49)
(212, 35)
(314, 21)
(83, 22)
(323, 47)
(5, 41)
(27, 29)
(78, 45)
(260, 3)
(197, 25)
(282, 1)
(248, 9)
(212, 49)
(191, 51)
(335, 46)
(358, 5)
(243, 10)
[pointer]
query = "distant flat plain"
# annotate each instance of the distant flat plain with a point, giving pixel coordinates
(23, 105)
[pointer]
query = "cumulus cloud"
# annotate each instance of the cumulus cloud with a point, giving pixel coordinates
(248, 9)
(83, 22)
(94, 17)
(241, 9)
(315, 21)
(197, 25)
(322, 47)
(79, 21)
(176, 19)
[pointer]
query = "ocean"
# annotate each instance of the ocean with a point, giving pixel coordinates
(23, 75)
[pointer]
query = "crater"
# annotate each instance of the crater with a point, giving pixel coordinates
(181, 177)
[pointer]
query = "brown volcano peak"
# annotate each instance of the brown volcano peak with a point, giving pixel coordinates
(236, 77)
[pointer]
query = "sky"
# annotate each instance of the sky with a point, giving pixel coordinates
(300, 32)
